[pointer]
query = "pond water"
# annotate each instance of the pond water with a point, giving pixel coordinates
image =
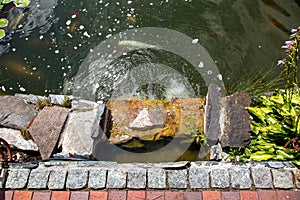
(101, 49)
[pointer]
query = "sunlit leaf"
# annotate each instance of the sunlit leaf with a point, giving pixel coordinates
(22, 3)
(6, 1)
(2, 33)
(3, 22)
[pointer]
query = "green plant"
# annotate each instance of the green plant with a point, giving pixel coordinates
(67, 102)
(41, 103)
(238, 154)
(200, 137)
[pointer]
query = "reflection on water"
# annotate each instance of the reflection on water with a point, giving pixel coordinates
(51, 38)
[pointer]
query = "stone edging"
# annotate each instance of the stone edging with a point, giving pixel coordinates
(203, 175)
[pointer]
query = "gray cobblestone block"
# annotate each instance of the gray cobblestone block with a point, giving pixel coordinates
(97, 178)
(77, 178)
(282, 179)
(177, 179)
(116, 179)
(3, 174)
(57, 179)
(136, 179)
(38, 179)
(262, 177)
(17, 178)
(240, 178)
(219, 178)
(199, 178)
(296, 173)
(156, 178)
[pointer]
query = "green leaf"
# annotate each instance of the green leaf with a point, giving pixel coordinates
(3, 22)
(260, 157)
(22, 3)
(6, 1)
(2, 33)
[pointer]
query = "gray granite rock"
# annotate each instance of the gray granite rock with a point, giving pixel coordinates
(215, 152)
(57, 99)
(38, 179)
(17, 178)
(116, 179)
(212, 114)
(199, 178)
(235, 120)
(46, 128)
(219, 178)
(80, 104)
(57, 179)
(3, 175)
(77, 178)
(77, 136)
(262, 177)
(15, 113)
(177, 179)
(240, 178)
(283, 179)
(276, 164)
(14, 139)
(97, 178)
(136, 179)
(156, 178)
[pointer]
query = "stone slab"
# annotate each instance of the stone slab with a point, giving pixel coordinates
(199, 178)
(38, 179)
(177, 179)
(156, 178)
(15, 113)
(116, 179)
(212, 115)
(240, 178)
(3, 175)
(17, 178)
(219, 178)
(97, 178)
(77, 136)
(136, 179)
(46, 128)
(77, 179)
(262, 177)
(57, 179)
(15, 140)
(282, 179)
(235, 120)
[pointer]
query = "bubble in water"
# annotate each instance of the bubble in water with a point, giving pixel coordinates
(22, 89)
(68, 22)
(201, 64)
(209, 72)
(3, 88)
(195, 41)
(220, 77)
(81, 27)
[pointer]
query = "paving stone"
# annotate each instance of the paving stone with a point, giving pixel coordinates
(46, 128)
(136, 179)
(136, 195)
(240, 178)
(98, 195)
(296, 173)
(199, 178)
(282, 179)
(235, 120)
(41, 196)
(173, 195)
(22, 195)
(212, 114)
(156, 178)
(267, 195)
(77, 135)
(3, 175)
(17, 178)
(157, 195)
(192, 195)
(116, 179)
(262, 177)
(97, 178)
(117, 195)
(249, 195)
(15, 113)
(79, 195)
(219, 178)
(215, 195)
(177, 179)
(77, 178)
(276, 164)
(297, 195)
(15, 139)
(38, 179)
(230, 195)
(60, 195)
(285, 195)
(57, 179)
(6, 195)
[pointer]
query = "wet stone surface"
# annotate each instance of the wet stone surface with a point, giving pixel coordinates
(15, 113)
(46, 128)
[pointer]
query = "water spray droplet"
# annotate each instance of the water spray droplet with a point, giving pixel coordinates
(201, 64)
(195, 41)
